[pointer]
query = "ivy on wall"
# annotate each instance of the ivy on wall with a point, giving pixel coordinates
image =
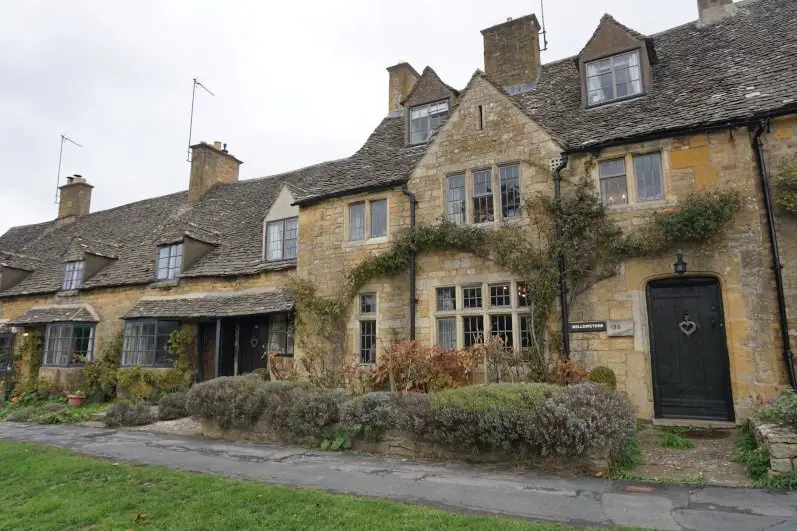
(592, 245)
(27, 362)
(786, 186)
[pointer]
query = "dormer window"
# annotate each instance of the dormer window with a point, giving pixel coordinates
(281, 237)
(170, 261)
(613, 78)
(425, 119)
(73, 275)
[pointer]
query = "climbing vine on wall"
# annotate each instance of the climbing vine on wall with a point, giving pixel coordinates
(786, 186)
(100, 376)
(27, 361)
(592, 245)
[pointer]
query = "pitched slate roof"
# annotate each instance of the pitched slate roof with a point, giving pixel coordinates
(211, 305)
(734, 69)
(55, 314)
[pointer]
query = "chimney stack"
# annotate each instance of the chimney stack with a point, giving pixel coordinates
(402, 78)
(711, 11)
(75, 199)
(210, 165)
(512, 51)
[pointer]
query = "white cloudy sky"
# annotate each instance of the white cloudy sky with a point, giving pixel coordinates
(295, 82)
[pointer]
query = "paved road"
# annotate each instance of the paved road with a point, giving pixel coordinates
(579, 501)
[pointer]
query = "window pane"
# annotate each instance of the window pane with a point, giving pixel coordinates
(164, 331)
(367, 341)
(455, 200)
(357, 222)
(378, 218)
(501, 326)
(447, 333)
(73, 275)
(291, 238)
(68, 344)
(510, 190)
(6, 354)
(278, 334)
(522, 294)
(500, 296)
(472, 297)
(474, 330)
(647, 171)
(274, 241)
(525, 335)
(170, 259)
(146, 343)
(613, 183)
(368, 303)
(614, 77)
(446, 299)
(482, 196)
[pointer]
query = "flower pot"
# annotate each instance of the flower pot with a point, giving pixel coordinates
(75, 400)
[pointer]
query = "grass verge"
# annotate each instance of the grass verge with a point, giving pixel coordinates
(46, 488)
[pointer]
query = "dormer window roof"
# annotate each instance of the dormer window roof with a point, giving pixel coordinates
(613, 78)
(73, 275)
(425, 119)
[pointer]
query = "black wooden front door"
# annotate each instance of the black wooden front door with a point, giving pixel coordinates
(252, 344)
(691, 375)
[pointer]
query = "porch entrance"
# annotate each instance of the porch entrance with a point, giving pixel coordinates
(243, 345)
(691, 373)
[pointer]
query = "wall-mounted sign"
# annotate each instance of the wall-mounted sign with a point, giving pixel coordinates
(586, 326)
(620, 328)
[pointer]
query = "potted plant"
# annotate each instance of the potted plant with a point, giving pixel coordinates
(76, 399)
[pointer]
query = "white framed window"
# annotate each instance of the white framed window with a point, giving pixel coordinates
(73, 275)
(509, 181)
(425, 119)
(483, 196)
(281, 239)
(613, 78)
(170, 261)
(357, 222)
(463, 318)
(647, 172)
(614, 184)
(455, 198)
(367, 328)
(68, 345)
(280, 335)
(146, 343)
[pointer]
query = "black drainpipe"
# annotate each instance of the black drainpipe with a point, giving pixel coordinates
(773, 242)
(557, 187)
(413, 202)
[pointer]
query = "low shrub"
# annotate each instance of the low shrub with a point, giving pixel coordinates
(263, 374)
(231, 401)
(173, 406)
(505, 397)
(603, 375)
(783, 411)
(314, 412)
(125, 413)
(21, 414)
(673, 437)
(368, 416)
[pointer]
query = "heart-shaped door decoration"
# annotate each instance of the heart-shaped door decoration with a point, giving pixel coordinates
(687, 326)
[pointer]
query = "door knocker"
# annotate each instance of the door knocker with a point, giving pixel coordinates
(687, 326)
(254, 341)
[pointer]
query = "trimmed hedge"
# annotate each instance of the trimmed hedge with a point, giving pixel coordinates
(172, 406)
(523, 419)
(124, 413)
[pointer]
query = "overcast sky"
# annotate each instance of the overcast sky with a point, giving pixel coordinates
(295, 83)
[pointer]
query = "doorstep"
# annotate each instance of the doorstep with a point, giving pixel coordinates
(684, 423)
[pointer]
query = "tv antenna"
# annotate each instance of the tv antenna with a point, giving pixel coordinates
(197, 83)
(543, 32)
(64, 138)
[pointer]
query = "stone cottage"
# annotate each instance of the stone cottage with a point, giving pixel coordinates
(649, 119)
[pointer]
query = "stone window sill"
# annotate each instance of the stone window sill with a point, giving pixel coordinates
(164, 284)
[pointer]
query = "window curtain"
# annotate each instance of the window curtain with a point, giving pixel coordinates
(594, 84)
(634, 72)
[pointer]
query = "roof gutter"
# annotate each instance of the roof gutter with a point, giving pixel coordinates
(413, 202)
(777, 267)
(680, 131)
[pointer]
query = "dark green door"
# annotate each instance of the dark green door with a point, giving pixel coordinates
(691, 375)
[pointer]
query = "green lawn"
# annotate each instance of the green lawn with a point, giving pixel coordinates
(46, 488)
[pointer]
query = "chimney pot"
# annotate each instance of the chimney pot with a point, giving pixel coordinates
(217, 145)
(512, 51)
